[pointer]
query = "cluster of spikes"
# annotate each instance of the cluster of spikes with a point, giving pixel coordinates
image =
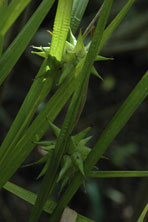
(73, 159)
(73, 52)
(77, 151)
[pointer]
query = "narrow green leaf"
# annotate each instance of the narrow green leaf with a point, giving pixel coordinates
(39, 90)
(3, 3)
(61, 28)
(30, 197)
(118, 121)
(15, 50)
(14, 156)
(143, 214)
(3, 6)
(78, 10)
(117, 174)
(1, 43)
(114, 24)
(13, 11)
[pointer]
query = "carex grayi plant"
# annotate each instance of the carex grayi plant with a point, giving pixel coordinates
(68, 62)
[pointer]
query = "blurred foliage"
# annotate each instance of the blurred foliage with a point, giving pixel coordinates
(131, 35)
(108, 83)
(121, 154)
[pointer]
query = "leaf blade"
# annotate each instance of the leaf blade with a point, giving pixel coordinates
(15, 50)
(78, 10)
(13, 11)
(143, 214)
(30, 197)
(61, 28)
(114, 24)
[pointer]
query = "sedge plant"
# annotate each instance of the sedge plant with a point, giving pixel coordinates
(67, 64)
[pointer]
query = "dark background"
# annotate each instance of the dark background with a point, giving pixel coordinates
(105, 199)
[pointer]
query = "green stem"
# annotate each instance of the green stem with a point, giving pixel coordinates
(117, 174)
(92, 23)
